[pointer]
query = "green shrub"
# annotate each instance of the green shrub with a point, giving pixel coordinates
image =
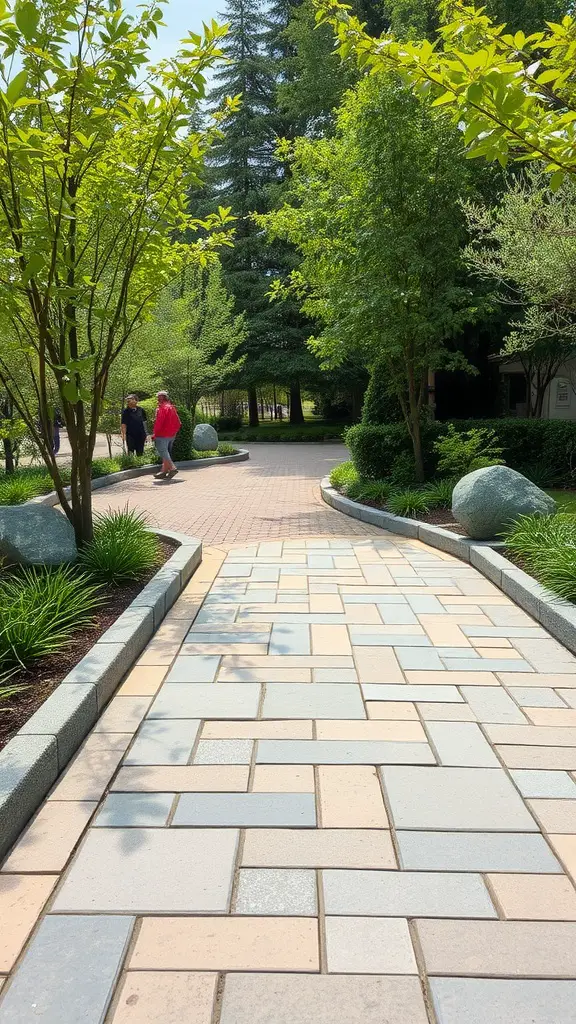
(104, 466)
(122, 549)
(343, 475)
(227, 449)
(41, 610)
(439, 493)
(227, 422)
(461, 453)
(182, 449)
(14, 489)
(409, 503)
(379, 405)
(369, 490)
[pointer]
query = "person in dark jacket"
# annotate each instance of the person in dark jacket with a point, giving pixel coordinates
(134, 426)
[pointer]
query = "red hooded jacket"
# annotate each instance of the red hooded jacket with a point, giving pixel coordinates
(167, 421)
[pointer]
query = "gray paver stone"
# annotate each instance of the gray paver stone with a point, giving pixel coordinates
(406, 894)
(342, 752)
(163, 742)
(246, 809)
(483, 1000)
(277, 892)
(476, 851)
(323, 700)
(205, 700)
(131, 810)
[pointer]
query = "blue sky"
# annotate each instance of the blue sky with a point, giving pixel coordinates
(180, 16)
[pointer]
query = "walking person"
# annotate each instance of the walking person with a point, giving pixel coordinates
(166, 426)
(134, 426)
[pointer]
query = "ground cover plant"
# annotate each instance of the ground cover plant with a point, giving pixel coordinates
(545, 546)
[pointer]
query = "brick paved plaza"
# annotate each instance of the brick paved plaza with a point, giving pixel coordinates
(337, 788)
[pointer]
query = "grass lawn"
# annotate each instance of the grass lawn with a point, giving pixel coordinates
(566, 500)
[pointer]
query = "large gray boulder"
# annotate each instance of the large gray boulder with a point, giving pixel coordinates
(36, 535)
(486, 501)
(205, 438)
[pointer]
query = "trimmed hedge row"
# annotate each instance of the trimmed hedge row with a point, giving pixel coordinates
(544, 450)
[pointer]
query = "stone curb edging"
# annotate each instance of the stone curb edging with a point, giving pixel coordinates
(34, 758)
(52, 498)
(554, 614)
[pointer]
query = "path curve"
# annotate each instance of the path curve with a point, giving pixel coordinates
(276, 494)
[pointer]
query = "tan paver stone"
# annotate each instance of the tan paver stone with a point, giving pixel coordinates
(322, 999)
(467, 600)
(532, 735)
(21, 900)
(143, 681)
(197, 778)
(318, 848)
(48, 842)
(363, 615)
(549, 758)
(503, 653)
(186, 607)
(500, 949)
(293, 583)
(491, 641)
(535, 897)
(172, 629)
(443, 631)
(395, 710)
(280, 730)
(227, 944)
(263, 675)
(283, 778)
(377, 665)
(409, 732)
(550, 679)
(91, 770)
(565, 847)
(369, 945)
(350, 797)
(165, 997)
(159, 652)
(470, 618)
(226, 648)
(556, 816)
(421, 678)
(286, 661)
(446, 712)
(330, 640)
(551, 716)
(326, 603)
(123, 714)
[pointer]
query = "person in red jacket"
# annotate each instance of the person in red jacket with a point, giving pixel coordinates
(166, 426)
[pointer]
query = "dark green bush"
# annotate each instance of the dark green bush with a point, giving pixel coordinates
(182, 449)
(227, 449)
(227, 422)
(524, 443)
(379, 405)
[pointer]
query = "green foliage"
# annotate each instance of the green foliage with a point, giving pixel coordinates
(376, 491)
(226, 449)
(282, 431)
(182, 448)
(122, 549)
(343, 475)
(104, 467)
(546, 547)
(228, 422)
(41, 610)
(439, 493)
(380, 406)
(463, 453)
(14, 489)
(513, 93)
(409, 503)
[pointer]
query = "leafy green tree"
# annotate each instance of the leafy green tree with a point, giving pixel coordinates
(525, 247)
(194, 338)
(96, 165)
(376, 217)
(515, 94)
(420, 19)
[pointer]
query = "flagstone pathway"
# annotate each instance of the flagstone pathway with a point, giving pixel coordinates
(338, 788)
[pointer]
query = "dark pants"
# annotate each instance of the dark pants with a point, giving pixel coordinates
(135, 445)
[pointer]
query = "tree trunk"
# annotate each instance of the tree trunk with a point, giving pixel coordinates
(296, 412)
(8, 456)
(253, 419)
(417, 446)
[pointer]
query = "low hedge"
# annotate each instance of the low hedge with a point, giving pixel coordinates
(545, 450)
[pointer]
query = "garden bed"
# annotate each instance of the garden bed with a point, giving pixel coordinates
(41, 679)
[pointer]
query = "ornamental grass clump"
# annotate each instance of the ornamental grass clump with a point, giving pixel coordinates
(122, 550)
(409, 503)
(376, 491)
(546, 548)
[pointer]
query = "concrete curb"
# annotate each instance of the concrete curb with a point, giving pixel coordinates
(554, 614)
(52, 498)
(34, 758)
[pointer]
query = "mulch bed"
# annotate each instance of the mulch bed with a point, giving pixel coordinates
(42, 678)
(437, 517)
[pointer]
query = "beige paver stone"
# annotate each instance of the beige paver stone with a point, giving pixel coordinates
(402, 731)
(377, 665)
(293, 583)
(283, 778)
(21, 900)
(548, 758)
(565, 848)
(197, 778)
(535, 897)
(286, 661)
(468, 600)
(363, 615)
(532, 735)
(330, 640)
(554, 680)
(501, 949)
(143, 681)
(123, 714)
(172, 628)
(280, 730)
(499, 642)
(263, 675)
(443, 631)
(350, 797)
(369, 945)
(186, 607)
(331, 603)
(159, 652)
(227, 944)
(49, 841)
(91, 770)
(165, 997)
(422, 678)
(395, 710)
(318, 848)
(226, 648)
(556, 816)
(564, 717)
(502, 653)
(446, 712)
